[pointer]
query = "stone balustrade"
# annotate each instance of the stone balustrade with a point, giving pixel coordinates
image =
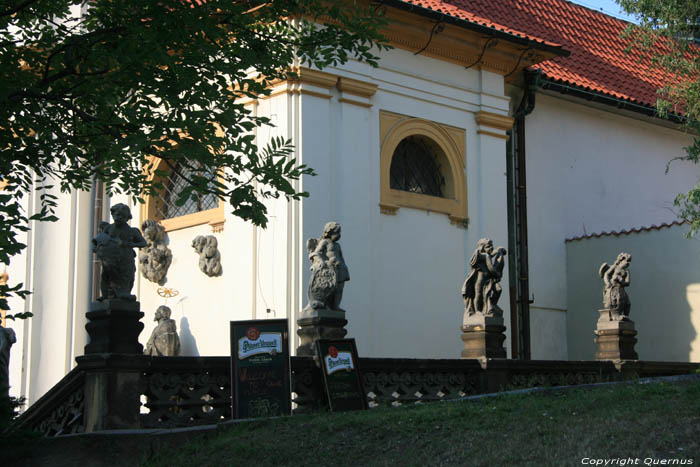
(168, 392)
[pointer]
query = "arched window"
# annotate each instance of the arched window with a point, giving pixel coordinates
(203, 209)
(422, 166)
(415, 167)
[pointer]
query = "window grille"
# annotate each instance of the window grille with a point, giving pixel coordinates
(415, 168)
(195, 203)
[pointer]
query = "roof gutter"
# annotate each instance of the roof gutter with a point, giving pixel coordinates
(593, 96)
(472, 26)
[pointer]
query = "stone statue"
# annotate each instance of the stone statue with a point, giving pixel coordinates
(114, 246)
(209, 256)
(7, 338)
(328, 269)
(616, 278)
(155, 259)
(481, 288)
(164, 341)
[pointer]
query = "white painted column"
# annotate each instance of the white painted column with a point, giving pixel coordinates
(492, 218)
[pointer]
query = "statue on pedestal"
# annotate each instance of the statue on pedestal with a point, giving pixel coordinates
(615, 332)
(616, 278)
(114, 246)
(164, 341)
(322, 318)
(155, 259)
(328, 269)
(481, 289)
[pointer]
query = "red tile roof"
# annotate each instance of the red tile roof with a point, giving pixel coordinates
(454, 10)
(598, 61)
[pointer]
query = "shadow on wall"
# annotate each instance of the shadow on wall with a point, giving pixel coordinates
(664, 292)
(188, 344)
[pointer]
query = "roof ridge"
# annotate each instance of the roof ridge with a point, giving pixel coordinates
(617, 233)
(600, 12)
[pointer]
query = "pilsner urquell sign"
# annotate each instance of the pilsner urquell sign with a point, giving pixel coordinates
(341, 376)
(260, 368)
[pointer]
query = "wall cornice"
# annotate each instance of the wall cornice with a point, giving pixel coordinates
(493, 120)
(357, 87)
(461, 46)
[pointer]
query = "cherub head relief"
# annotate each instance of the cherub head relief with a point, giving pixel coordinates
(209, 256)
(156, 258)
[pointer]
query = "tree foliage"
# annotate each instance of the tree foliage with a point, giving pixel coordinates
(669, 34)
(105, 89)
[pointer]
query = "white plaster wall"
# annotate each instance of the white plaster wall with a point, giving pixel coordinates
(589, 171)
(403, 299)
(274, 249)
(203, 302)
(17, 273)
(664, 292)
(254, 262)
(55, 267)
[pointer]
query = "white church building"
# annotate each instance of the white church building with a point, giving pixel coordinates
(523, 121)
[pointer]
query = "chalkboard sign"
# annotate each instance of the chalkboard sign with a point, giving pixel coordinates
(341, 375)
(260, 368)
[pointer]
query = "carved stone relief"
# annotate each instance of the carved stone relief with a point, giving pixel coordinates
(209, 256)
(156, 258)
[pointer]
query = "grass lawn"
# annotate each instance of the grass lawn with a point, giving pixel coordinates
(653, 424)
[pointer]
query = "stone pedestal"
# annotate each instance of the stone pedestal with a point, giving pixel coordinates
(615, 338)
(113, 384)
(114, 327)
(319, 324)
(483, 336)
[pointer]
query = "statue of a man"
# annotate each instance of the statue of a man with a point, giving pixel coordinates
(616, 278)
(164, 341)
(7, 338)
(114, 246)
(328, 269)
(481, 289)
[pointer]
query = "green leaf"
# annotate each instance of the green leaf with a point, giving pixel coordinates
(97, 97)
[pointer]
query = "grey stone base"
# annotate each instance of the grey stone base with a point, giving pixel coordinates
(114, 327)
(615, 339)
(483, 337)
(319, 324)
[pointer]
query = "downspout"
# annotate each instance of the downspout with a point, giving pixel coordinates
(96, 216)
(517, 222)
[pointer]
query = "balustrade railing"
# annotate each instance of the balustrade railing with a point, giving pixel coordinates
(60, 411)
(187, 391)
(184, 391)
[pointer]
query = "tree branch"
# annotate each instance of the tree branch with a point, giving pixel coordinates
(12, 10)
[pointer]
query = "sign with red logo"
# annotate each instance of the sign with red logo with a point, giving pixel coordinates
(332, 351)
(260, 378)
(342, 380)
(252, 333)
